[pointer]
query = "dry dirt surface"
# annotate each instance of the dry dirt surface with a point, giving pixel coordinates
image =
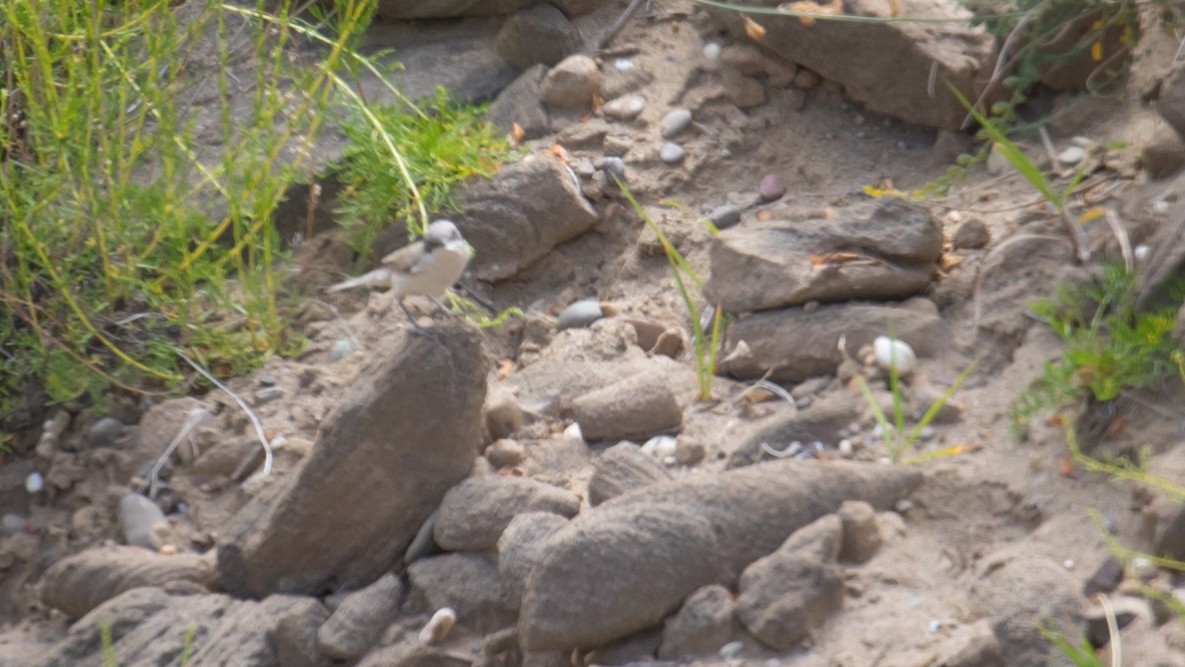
(970, 552)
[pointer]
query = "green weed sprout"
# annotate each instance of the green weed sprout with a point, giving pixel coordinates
(707, 344)
(899, 442)
(1034, 175)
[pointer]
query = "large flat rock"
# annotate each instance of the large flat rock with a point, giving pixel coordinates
(897, 68)
(883, 249)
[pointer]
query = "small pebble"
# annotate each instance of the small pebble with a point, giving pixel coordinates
(580, 314)
(340, 350)
(1071, 156)
(807, 80)
(1141, 252)
(675, 122)
(104, 432)
(613, 166)
(845, 448)
(439, 626)
(626, 107)
(971, 235)
(894, 352)
(902, 506)
(725, 216)
(12, 523)
(573, 431)
(505, 453)
(34, 482)
(268, 394)
(671, 153)
(712, 52)
(623, 64)
(585, 169)
(660, 447)
(267, 380)
(771, 188)
(731, 650)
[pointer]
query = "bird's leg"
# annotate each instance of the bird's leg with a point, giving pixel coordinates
(441, 305)
(415, 326)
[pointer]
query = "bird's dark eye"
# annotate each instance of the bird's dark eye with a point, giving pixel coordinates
(432, 242)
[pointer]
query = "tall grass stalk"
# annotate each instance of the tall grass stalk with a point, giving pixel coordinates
(706, 343)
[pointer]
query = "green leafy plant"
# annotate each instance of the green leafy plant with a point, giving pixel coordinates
(1111, 346)
(439, 146)
(123, 233)
(898, 440)
(706, 342)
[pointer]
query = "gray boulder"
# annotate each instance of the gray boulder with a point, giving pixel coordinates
(539, 35)
(407, 431)
(887, 65)
(883, 249)
(792, 345)
(520, 214)
(149, 627)
(627, 564)
(474, 513)
(705, 622)
(468, 583)
(360, 619)
(521, 547)
(621, 468)
(78, 583)
(786, 594)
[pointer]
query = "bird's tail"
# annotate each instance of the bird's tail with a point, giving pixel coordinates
(370, 279)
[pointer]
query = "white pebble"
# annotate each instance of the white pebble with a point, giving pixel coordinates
(904, 505)
(1069, 563)
(891, 351)
(731, 650)
(671, 153)
(845, 448)
(660, 447)
(34, 482)
(1141, 252)
(935, 626)
(712, 52)
(623, 64)
(438, 627)
(573, 431)
(1071, 156)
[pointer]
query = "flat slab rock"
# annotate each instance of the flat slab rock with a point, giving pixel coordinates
(794, 344)
(627, 564)
(888, 66)
(883, 249)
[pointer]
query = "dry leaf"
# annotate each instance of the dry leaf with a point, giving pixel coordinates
(950, 261)
(1065, 466)
(754, 30)
(560, 152)
(804, 7)
(894, 8)
(505, 368)
(517, 134)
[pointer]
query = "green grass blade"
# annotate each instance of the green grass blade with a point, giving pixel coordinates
(1014, 155)
(942, 400)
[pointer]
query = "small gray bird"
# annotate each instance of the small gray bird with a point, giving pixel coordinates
(427, 267)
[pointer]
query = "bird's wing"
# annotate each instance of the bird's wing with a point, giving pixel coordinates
(406, 260)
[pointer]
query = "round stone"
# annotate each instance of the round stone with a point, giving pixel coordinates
(580, 314)
(671, 153)
(626, 107)
(675, 122)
